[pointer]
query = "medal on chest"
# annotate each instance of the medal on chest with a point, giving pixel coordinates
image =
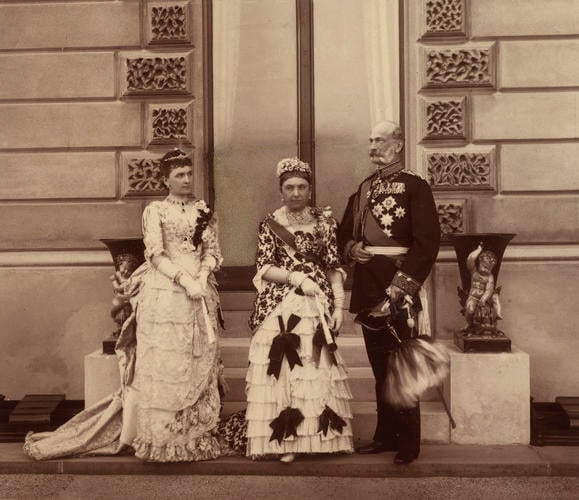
(385, 205)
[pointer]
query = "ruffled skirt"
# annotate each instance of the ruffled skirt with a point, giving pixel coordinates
(319, 390)
(176, 380)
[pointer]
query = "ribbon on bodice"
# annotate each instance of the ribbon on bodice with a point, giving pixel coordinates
(284, 344)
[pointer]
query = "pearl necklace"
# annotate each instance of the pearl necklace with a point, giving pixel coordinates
(299, 218)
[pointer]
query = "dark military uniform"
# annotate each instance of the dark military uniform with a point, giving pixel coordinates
(392, 208)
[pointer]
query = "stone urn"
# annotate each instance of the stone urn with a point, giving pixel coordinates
(479, 257)
(128, 254)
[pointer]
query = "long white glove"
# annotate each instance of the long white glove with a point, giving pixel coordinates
(192, 286)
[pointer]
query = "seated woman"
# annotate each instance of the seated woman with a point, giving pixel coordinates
(168, 407)
(297, 390)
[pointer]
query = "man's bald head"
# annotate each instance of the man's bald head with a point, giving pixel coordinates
(386, 143)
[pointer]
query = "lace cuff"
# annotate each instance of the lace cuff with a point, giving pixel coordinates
(258, 282)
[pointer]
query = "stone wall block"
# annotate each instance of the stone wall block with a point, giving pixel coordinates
(56, 315)
(525, 115)
(44, 25)
(67, 225)
(465, 169)
(58, 176)
(444, 19)
(64, 125)
(492, 18)
(544, 63)
(540, 167)
(57, 76)
(547, 219)
(443, 118)
(169, 23)
(69, 125)
(453, 216)
(170, 124)
(464, 66)
(156, 74)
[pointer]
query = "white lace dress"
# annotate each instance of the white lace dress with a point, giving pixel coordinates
(177, 401)
(167, 408)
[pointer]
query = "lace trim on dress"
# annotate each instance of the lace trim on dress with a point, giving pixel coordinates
(205, 447)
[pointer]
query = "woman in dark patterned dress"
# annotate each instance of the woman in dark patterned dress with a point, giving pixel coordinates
(297, 390)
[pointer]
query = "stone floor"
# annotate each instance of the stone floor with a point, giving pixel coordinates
(64, 486)
(435, 460)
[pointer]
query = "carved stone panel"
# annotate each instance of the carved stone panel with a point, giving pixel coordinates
(444, 119)
(444, 18)
(170, 124)
(452, 217)
(465, 169)
(169, 23)
(140, 171)
(149, 73)
(465, 66)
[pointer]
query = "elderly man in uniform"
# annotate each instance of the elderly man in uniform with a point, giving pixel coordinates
(391, 234)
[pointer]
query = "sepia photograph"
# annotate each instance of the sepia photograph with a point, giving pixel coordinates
(289, 249)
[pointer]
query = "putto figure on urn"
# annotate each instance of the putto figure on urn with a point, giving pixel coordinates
(479, 258)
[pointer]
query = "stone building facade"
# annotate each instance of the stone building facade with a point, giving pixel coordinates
(92, 92)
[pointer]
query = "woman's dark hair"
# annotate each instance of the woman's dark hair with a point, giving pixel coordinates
(173, 159)
(294, 173)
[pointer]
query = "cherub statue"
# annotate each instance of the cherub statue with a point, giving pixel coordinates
(482, 306)
(123, 289)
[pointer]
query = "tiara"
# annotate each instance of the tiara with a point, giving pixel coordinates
(177, 158)
(293, 165)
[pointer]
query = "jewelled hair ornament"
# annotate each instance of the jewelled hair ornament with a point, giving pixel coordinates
(293, 165)
(177, 158)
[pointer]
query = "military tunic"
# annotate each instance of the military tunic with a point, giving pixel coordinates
(393, 207)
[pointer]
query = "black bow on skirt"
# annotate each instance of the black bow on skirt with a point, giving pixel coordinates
(286, 424)
(284, 344)
(329, 419)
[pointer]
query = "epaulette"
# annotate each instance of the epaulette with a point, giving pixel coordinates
(413, 173)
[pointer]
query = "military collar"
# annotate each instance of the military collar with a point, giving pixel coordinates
(386, 172)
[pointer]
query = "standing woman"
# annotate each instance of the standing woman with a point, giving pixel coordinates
(167, 408)
(297, 390)
(177, 368)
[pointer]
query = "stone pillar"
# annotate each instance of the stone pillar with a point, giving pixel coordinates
(490, 397)
(101, 376)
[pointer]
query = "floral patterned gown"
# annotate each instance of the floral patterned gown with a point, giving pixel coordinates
(167, 408)
(300, 405)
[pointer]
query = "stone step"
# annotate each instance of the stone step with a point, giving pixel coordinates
(234, 354)
(243, 300)
(361, 384)
(435, 425)
(236, 324)
(234, 351)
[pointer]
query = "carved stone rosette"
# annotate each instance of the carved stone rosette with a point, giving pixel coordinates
(452, 217)
(464, 66)
(170, 124)
(444, 18)
(169, 23)
(444, 119)
(140, 174)
(465, 169)
(149, 73)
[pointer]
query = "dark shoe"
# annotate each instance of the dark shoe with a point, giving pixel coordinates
(374, 447)
(404, 457)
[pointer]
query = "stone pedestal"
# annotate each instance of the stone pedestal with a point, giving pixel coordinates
(101, 376)
(490, 397)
